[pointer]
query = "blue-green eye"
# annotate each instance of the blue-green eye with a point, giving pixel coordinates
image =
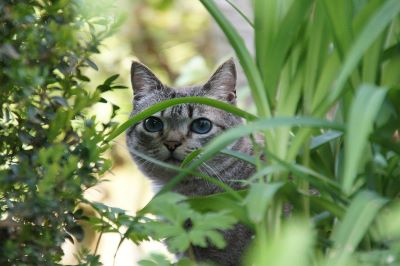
(201, 126)
(153, 124)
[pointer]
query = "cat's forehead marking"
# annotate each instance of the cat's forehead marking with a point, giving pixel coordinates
(190, 110)
(178, 112)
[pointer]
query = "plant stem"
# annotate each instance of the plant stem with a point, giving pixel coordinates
(191, 254)
(98, 242)
(303, 184)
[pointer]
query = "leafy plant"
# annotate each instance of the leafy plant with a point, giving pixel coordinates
(175, 221)
(49, 146)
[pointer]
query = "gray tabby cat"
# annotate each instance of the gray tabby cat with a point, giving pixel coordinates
(172, 134)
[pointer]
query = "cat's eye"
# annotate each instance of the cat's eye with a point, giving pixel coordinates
(201, 126)
(153, 124)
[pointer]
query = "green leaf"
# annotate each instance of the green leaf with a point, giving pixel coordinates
(91, 64)
(275, 36)
(191, 156)
(59, 124)
(348, 233)
(291, 246)
(259, 198)
(307, 174)
(155, 260)
(339, 14)
(240, 155)
(323, 204)
(173, 224)
(324, 138)
(220, 202)
(387, 227)
(119, 87)
(362, 115)
(249, 67)
(111, 79)
(246, 18)
(371, 31)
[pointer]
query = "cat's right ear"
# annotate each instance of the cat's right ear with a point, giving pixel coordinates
(143, 80)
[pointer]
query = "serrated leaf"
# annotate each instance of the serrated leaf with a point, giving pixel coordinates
(179, 243)
(217, 239)
(220, 202)
(155, 260)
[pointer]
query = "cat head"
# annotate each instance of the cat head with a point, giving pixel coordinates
(170, 135)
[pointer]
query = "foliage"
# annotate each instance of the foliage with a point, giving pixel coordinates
(326, 85)
(50, 150)
(174, 221)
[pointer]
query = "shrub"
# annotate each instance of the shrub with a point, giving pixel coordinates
(50, 150)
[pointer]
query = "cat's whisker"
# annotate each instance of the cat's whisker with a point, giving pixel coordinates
(213, 172)
(207, 183)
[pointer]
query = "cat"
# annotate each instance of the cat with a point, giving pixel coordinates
(170, 135)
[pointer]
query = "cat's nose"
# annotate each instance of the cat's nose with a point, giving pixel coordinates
(172, 145)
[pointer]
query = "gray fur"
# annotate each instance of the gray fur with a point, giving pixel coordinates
(149, 91)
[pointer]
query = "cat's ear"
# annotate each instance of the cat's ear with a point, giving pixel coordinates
(222, 83)
(143, 80)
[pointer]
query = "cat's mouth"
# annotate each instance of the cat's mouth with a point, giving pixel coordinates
(173, 160)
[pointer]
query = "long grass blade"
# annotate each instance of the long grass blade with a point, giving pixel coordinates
(362, 115)
(168, 103)
(241, 156)
(259, 198)
(245, 58)
(339, 14)
(324, 138)
(290, 247)
(375, 26)
(246, 18)
(348, 233)
(276, 48)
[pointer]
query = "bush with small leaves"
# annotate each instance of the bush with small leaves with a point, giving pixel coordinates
(50, 149)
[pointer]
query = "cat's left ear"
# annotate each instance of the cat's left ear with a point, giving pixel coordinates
(222, 84)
